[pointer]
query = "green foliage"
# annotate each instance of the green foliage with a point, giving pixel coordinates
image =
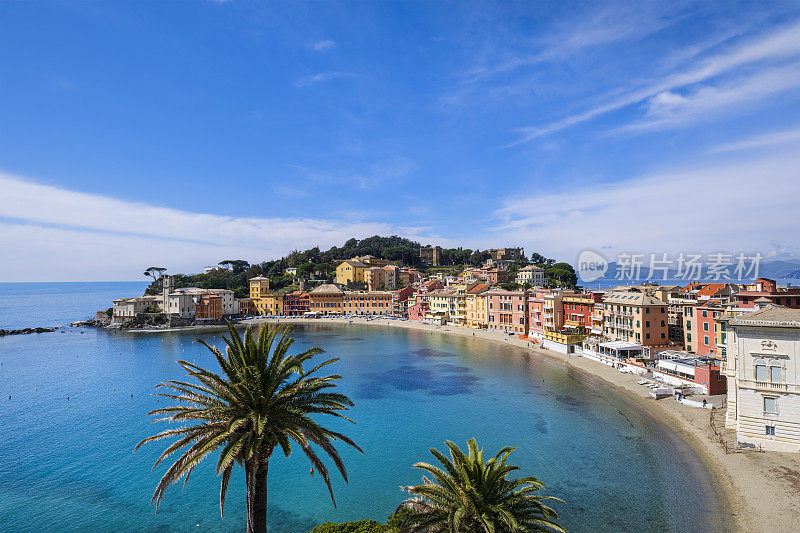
(110, 312)
(316, 264)
(510, 286)
(362, 526)
(263, 400)
(152, 309)
(468, 494)
(561, 275)
(393, 525)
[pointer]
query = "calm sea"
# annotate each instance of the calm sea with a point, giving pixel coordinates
(79, 398)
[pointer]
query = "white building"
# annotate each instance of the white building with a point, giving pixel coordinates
(763, 351)
(182, 302)
(532, 275)
(125, 308)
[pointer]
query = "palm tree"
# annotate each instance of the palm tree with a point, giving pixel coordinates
(468, 495)
(263, 399)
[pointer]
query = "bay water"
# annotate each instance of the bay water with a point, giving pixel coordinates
(74, 403)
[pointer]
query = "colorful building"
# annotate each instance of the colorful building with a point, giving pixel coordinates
(475, 306)
(507, 310)
(326, 300)
(208, 308)
(367, 303)
(350, 273)
(296, 303)
(635, 317)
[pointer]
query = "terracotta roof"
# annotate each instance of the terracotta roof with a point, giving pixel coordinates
(711, 289)
(480, 287)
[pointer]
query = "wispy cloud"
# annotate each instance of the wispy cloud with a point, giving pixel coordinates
(657, 213)
(75, 228)
(321, 77)
(759, 141)
(763, 52)
(319, 46)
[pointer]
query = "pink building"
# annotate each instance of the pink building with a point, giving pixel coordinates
(507, 310)
(535, 311)
(417, 311)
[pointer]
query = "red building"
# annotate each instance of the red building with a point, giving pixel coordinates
(296, 303)
(400, 301)
(767, 288)
(706, 319)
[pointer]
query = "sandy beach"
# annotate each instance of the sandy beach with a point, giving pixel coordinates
(762, 489)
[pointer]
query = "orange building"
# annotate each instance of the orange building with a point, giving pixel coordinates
(209, 307)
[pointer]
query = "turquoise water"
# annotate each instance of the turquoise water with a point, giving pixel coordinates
(68, 464)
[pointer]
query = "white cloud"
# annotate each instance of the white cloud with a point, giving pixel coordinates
(321, 77)
(322, 45)
(767, 50)
(759, 141)
(739, 206)
(669, 110)
(50, 233)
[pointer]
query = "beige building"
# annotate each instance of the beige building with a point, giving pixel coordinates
(763, 370)
(126, 308)
(475, 306)
(635, 317)
(532, 275)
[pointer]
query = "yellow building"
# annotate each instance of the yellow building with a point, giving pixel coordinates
(350, 272)
(475, 306)
(259, 286)
(264, 302)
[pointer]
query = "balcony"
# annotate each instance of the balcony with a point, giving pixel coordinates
(769, 386)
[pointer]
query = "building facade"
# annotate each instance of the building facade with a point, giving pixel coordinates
(763, 351)
(635, 317)
(507, 311)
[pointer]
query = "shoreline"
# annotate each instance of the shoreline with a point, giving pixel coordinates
(756, 491)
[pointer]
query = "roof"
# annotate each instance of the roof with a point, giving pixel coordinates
(711, 289)
(772, 315)
(531, 268)
(621, 345)
(327, 288)
(631, 298)
(478, 288)
(259, 278)
(353, 263)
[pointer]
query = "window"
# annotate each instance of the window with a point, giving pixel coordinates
(663, 324)
(769, 431)
(647, 323)
(647, 336)
(775, 374)
(770, 405)
(705, 326)
(761, 372)
(705, 314)
(663, 335)
(705, 340)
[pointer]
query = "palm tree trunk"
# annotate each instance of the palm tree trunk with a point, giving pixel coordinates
(256, 479)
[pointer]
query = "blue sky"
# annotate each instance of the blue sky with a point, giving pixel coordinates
(183, 133)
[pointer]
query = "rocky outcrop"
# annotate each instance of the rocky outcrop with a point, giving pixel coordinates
(25, 331)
